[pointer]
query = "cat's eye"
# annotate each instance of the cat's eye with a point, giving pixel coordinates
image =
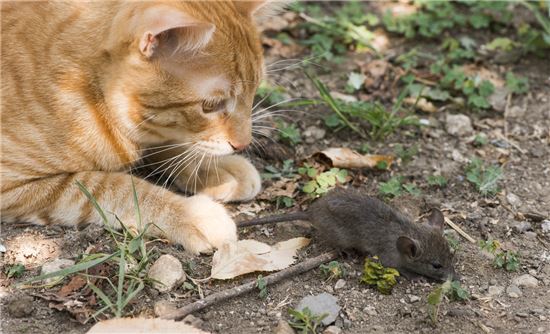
(437, 265)
(212, 106)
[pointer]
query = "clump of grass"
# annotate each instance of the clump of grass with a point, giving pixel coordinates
(305, 322)
(332, 270)
(130, 258)
(508, 260)
(450, 289)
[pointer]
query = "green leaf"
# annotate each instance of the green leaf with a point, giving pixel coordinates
(500, 43)
(309, 187)
(392, 187)
(518, 85)
(15, 270)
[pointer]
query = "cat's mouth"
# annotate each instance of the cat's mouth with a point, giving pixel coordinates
(215, 147)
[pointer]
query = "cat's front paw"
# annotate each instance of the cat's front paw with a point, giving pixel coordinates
(206, 226)
(232, 179)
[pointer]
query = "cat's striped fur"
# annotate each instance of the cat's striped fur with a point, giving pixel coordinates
(87, 87)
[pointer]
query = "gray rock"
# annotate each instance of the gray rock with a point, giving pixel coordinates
(545, 226)
(313, 134)
(321, 304)
(495, 290)
(458, 125)
(525, 280)
(498, 98)
(513, 199)
(53, 266)
(413, 299)
(522, 227)
(332, 330)
(513, 291)
(530, 235)
(166, 272)
(21, 307)
(339, 284)
(370, 310)
(283, 328)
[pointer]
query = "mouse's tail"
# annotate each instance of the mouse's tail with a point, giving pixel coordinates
(274, 219)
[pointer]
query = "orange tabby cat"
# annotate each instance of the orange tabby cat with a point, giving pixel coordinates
(88, 86)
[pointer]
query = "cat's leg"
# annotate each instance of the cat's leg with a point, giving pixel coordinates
(224, 178)
(197, 222)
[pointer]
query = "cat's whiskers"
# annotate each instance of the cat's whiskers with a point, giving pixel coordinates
(155, 151)
(172, 160)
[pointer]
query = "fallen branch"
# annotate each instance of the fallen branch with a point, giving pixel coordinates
(247, 287)
(459, 230)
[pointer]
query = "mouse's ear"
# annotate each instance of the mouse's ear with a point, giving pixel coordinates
(436, 220)
(408, 247)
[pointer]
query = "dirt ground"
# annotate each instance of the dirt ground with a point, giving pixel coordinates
(518, 139)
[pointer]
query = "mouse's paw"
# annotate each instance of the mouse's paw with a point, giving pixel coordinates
(204, 225)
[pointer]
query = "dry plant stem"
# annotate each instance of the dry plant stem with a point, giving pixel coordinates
(459, 230)
(250, 286)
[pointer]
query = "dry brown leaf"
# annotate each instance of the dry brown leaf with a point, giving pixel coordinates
(246, 256)
(343, 157)
(421, 104)
(283, 187)
(483, 73)
(141, 325)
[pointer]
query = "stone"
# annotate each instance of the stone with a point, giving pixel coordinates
(370, 310)
(53, 266)
(458, 125)
(413, 299)
(545, 226)
(513, 291)
(499, 98)
(283, 328)
(339, 284)
(193, 321)
(522, 227)
(166, 272)
(525, 280)
(313, 134)
(513, 199)
(495, 290)
(21, 307)
(164, 307)
(332, 330)
(320, 304)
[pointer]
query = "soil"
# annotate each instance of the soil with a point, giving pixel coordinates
(524, 198)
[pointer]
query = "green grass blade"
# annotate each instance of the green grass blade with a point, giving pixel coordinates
(121, 274)
(102, 296)
(92, 199)
(73, 269)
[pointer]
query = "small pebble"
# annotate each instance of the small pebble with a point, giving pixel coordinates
(495, 290)
(413, 299)
(525, 280)
(166, 272)
(339, 284)
(21, 307)
(332, 330)
(513, 291)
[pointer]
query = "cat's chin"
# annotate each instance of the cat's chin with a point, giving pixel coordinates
(215, 148)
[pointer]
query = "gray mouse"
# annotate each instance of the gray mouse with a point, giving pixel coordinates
(349, 220)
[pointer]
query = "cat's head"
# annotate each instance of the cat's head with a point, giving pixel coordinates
(186, 71)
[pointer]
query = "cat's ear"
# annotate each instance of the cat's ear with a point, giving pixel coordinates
(168, 30)
(260, 8)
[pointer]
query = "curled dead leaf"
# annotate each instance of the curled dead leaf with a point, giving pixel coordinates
(246, 256)
(344, 157)
(421, 104)
(485, 74)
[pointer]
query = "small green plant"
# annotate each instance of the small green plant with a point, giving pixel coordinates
(480, 140)
(508, 260)
(15, 270)
(288, 132)
(393, 187)
(475, 89)
(451, 289)
(332, 270)
(286, 171)
(437, 181)
(405, 154)
(284, 201)
(269, 94)
(375, 274)
(517, 85)
(412, 189)
(304, 321)
(321, 183)
(130, 260)
(484, 178)
(262, 286)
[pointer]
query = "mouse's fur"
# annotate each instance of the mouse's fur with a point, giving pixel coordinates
(348, 220)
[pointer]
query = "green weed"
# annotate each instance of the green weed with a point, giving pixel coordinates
(394, 187)
(332, 270)
(321, 183)
(288, 132)
(437, 181)
(375, 274)
(405, 154)
(286, 171)
(451, 289)
(15, 270)
(508, 260)
(485, 179)
(305, 322)
(262, 286)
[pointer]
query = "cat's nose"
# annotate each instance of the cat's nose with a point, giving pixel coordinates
(238, 146)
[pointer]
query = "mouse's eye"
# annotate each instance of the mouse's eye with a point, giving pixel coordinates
(437, 265)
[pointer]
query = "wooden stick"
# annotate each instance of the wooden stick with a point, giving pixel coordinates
(247, 287)
(459, 230)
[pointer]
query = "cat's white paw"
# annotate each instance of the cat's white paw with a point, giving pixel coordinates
(232, 179)
(207, 225)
